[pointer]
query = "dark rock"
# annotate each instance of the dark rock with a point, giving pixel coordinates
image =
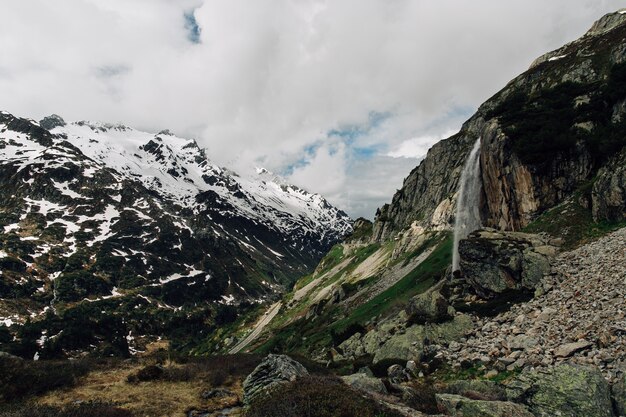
(52, 121)
(495, 262)
(274, 370)
(609, 191)
(618, 391)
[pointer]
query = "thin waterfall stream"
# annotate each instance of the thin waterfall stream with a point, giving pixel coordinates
(467, 217)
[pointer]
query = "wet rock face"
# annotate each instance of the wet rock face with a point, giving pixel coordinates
(565, 390)
(273, 371)
(496, 262)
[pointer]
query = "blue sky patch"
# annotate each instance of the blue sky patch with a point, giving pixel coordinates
(193, 30)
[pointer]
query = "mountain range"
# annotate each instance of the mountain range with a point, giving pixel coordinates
(93, 211)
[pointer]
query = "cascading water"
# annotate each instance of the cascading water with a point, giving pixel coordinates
(468, 201)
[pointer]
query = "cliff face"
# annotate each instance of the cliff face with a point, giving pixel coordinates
(547, 134)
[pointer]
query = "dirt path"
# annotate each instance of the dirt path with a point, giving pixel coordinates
(258, 328)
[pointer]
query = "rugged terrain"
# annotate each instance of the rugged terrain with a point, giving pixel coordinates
(531, 325)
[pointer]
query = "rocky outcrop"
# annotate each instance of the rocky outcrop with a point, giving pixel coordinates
(609, 191)
(457, 406)
(273, 371)
(526, 172)
(495, 262)
(396, 339)
(565, 390)
(425, 194)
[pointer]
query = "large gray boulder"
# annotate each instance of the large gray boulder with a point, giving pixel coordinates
(495, 262)
(565, 390)
(273, 371)
(458, 406)
(365, 383)
(429, 307)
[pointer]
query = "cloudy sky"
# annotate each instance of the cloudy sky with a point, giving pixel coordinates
(342, 97)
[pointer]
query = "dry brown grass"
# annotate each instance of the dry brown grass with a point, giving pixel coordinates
(151, 398)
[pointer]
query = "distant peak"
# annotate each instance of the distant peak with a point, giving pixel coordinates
(52, 121)
(607, 23)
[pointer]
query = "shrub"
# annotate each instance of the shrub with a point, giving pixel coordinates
(317, 397)
(90, 409)
(421, 397)
(147, 373)
(19, 379)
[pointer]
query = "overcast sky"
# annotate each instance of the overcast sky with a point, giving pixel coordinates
(342, 97)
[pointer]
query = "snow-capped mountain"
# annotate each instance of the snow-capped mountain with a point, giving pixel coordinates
(92, 212)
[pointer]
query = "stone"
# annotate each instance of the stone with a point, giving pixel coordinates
(458, 406)
(365, 383)
(565, 390)
(216, 393)
(495, 262)
(365, 371)
(569, 349)
(272, 371)
(428, 307)
(397, 374)
(489, 390)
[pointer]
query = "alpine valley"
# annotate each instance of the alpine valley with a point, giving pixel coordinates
(250, 297)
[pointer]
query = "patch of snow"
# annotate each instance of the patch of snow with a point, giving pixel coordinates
(556, 58)
(9, 228)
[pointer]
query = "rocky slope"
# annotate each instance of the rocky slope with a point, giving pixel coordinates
(94, 213)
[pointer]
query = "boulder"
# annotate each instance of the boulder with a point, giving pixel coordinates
(495, 262)
(568, 349)
(365, 383)
(458, 406)
(410, 344)
(397, 374)
(273, 371)
(475, 388)
(429, 307)
(565, 390)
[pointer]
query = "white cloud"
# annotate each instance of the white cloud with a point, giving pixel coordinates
(267, 79)
(416, 147)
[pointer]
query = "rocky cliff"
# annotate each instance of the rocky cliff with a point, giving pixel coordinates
(549, 133)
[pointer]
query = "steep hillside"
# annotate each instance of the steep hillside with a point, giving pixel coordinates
(118, 222)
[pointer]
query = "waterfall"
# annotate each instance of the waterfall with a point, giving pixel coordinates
(468, 201)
